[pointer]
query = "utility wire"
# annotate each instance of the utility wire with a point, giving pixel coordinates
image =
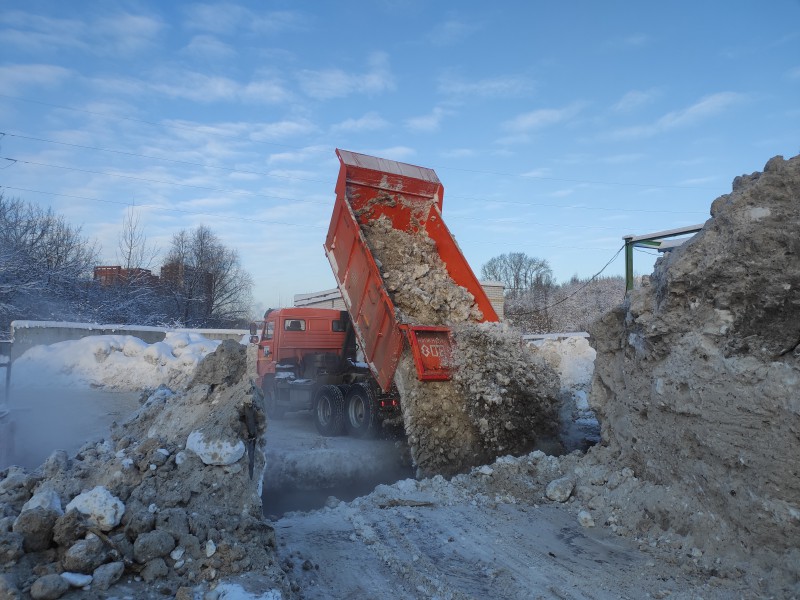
(164, 208)
(284, 198)
(288, 199)
(146, 122)
(234, 136)
(161, 181)
(580, 207)
(150, 157)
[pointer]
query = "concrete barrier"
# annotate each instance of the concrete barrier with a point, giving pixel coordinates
(26, 334)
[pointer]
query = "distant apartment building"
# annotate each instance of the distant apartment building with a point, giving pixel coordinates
(107, 275)
(333, 299)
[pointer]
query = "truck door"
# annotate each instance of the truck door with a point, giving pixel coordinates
(266, 357)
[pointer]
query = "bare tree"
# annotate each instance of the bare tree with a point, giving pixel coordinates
(205, 280)
(134, 252)
(519, 272)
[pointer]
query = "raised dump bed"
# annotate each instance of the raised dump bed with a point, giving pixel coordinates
(410, 197)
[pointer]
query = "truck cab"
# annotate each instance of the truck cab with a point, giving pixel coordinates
(300, 341)
(307, 360)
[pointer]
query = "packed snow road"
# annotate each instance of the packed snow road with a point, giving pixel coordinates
(486, 534)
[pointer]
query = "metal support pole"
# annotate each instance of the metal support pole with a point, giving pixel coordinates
(628, 262)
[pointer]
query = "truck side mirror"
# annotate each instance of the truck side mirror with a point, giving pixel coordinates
(253, 331)
(253, 339)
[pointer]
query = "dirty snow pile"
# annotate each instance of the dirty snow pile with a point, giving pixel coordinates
(119, 362)
(168, 505)
(503, 397)
(697, 376)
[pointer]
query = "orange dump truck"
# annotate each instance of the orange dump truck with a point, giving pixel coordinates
(310, 358)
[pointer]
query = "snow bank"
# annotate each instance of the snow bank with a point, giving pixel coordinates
(120, 362)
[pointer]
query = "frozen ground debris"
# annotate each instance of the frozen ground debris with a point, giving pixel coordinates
(575, 526)
(169, 505)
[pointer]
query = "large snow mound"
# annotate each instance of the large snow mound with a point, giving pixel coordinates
(119, 362)
(697, 375)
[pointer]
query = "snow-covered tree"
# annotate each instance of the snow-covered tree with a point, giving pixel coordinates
(45, 264)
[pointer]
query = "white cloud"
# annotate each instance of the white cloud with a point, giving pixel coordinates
(227, 19)
(223, 18)
(707, 107)
(282, 129)
(267, 91)
(127, 33)
(198, 87)
(633, 40)
(299, 156)
(208, 47)
(540, 172)
(634, 99)
(458, 153)
(400, 153)
(371, 121)
(18, 77)
(336, 83)
(543, 117)
(508, 86)
(697, 181)
(429, 122)
(620, 159)
(451, 32)
(118, 33)
(38, 33)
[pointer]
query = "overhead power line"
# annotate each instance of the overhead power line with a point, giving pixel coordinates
(168, 209)
(161, 181)
(205, 131)
(161, 158)
(290, 199)
(145, 121)
(576, 292)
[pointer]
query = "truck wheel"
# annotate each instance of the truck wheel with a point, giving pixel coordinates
(329, 411)
(271, 405)
(361, 412)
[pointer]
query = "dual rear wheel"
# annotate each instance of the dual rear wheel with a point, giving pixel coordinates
(346, 409)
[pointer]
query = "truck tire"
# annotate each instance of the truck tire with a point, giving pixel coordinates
(361, 412)
(329, 411)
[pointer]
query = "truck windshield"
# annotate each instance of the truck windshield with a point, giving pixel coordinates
(270, 330)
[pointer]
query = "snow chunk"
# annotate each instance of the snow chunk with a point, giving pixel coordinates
(46, 499)
(77, 580)
(214, 452)
(101, 507)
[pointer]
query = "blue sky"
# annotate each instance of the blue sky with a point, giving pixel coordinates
(556, 128)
